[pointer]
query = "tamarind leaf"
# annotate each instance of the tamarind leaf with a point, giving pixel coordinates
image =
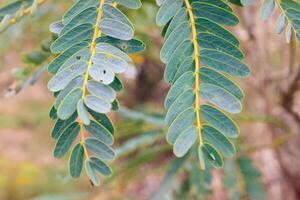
(201, 57)
(92, 41)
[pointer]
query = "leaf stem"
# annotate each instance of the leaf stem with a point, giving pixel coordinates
(25, 12)
(97, 33)
(197, 67)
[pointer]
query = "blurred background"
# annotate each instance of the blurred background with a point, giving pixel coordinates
(267, 162)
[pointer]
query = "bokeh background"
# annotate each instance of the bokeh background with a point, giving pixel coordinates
(268, 158)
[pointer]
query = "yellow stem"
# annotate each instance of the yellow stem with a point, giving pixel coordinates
(197, 67)
(83, 140)
(97, 33)
(24, 12)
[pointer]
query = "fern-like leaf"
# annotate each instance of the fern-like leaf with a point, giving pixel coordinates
(93, 39)
(289, 19)
(200, 55)
(15, 11)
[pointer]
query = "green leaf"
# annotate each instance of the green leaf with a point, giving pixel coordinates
(288, 33)
(218, 3)
(76, 161)
(61, 125)
(206, 25)
(167, 11)
(208, 75)
(83, 113)
(90, 171)
(88, 15)
(55, 64)
(116, 29)
(116, 84)
(246, 2)
(217, 139)
(130, 46)
(224, 62)
(212, 41)
(184, 101)
(82, 55)
(267, 9)
(63, 78)
(53, 113)
(115, 106)
(188, 64)
(133, 4)
(214, 13)
(212, 155)
(219, 120)
(100, 132)
(72, 37)
(100, 149)
(75, 83)
(66, 140)
(69, 105)
(291, 11)
(201, 157)
(102, 73)
(180, 34)
(77, 8)
(185, 141)
(97, 104)
(180, 124)
(178, 57)
(184, 82)
(180, 17)
(112, 50)
(56, 27)
(111, 12)
(220, 97)
(116, 64)
(100, 166)
(281, 24)
(102, 119)
(102, 91)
